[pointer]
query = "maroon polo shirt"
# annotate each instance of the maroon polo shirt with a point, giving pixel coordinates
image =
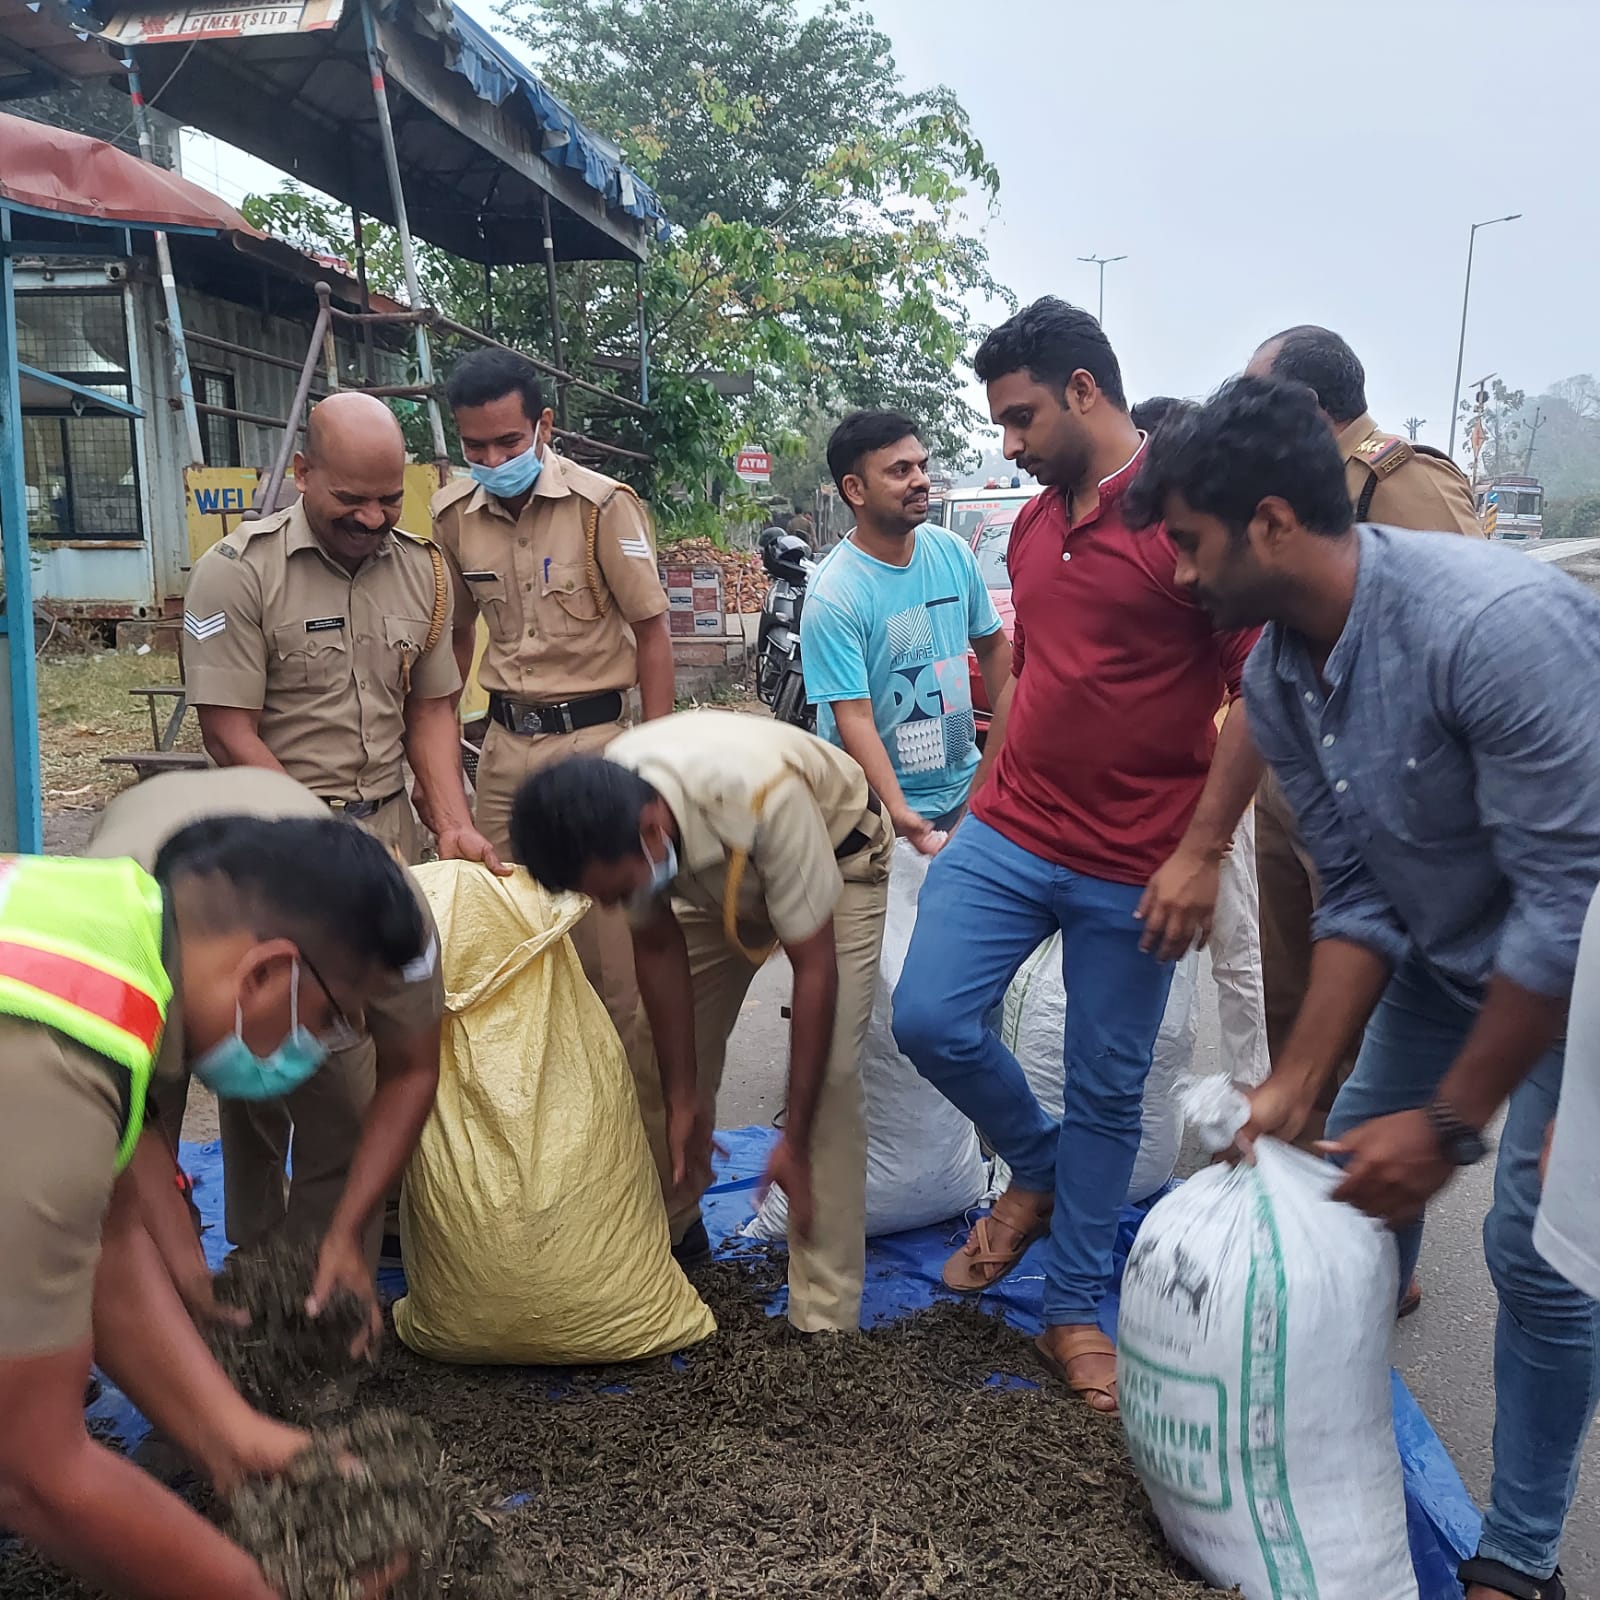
(1119, 677)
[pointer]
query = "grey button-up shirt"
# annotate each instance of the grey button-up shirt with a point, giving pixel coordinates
(1445, 765)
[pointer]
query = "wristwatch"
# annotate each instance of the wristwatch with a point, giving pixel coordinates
(1459, 1143)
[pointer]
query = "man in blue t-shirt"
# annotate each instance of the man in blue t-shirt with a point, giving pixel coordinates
(886, 628)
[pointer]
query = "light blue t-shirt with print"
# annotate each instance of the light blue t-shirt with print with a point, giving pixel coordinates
(899, 637)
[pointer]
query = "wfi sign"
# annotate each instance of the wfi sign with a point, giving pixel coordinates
(753, 464)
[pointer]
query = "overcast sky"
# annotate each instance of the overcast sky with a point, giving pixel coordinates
(1267, 162)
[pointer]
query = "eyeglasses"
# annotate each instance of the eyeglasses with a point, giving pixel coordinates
(341, 1033)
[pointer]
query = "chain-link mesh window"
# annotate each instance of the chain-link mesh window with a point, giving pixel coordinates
(219, 436)
(81, 471)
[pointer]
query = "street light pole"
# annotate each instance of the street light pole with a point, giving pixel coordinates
(1461, 348)
(1102, 262)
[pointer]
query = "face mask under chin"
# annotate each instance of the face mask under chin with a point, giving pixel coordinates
(658, 885)
(233, 1071)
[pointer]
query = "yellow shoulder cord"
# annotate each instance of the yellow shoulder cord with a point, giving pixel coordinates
(602, 595)
(737, 860)
(441, 603)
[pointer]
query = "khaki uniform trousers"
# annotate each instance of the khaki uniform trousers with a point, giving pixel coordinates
(602, 939)
(825, 1275)
(316, 1129)
(1289, 895)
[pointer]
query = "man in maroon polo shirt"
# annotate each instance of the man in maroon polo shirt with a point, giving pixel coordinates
(1098, 810)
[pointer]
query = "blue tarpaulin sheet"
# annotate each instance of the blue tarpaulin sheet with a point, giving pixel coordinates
(902, 1277)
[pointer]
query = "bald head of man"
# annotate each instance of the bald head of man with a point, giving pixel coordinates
(351, 475)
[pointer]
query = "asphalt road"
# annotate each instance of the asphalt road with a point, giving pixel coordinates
(1445, 1351)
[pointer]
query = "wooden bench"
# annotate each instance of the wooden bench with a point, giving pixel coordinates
(147, 763)
(164, 738)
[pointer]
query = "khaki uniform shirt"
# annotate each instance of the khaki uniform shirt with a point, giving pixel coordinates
(274, 624)
(741, 783)
(1425, 493)
(558, 623)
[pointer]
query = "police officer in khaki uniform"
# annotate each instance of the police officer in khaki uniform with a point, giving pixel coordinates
(316, 643)
(1401, 485)
(726, 836)
(357, 1121)
(254, 947)
(559, 562)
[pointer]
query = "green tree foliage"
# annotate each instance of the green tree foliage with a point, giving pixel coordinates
(823, 238)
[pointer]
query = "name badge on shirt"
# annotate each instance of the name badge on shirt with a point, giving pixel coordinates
(323, 624)
(481, 577)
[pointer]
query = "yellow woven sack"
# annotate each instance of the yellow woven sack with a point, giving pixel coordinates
(532, 1218)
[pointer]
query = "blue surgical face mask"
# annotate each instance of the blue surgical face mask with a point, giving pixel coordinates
(233, 1071)
(662, 873)
(513, 477)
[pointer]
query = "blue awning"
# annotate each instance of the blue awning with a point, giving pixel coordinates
(497, 76)
(482, 141)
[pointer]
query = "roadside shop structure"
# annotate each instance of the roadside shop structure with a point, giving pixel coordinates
(409, 113)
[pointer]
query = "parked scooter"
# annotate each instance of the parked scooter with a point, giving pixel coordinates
(780, 680)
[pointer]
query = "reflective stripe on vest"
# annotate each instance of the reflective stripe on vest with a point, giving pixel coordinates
(80, 952)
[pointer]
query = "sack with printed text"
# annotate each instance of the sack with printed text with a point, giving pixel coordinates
(924, 1164)
(1253, 1347)
(1034, 1027)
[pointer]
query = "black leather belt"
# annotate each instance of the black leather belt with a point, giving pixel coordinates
(359, 810)
(566, 717)
(858, 838)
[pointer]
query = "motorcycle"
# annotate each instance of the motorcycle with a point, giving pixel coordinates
(780, 680)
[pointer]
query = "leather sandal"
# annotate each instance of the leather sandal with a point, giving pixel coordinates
(1410, 1301)
(980, 1264)
(1497, 1575)
(1059, 1353)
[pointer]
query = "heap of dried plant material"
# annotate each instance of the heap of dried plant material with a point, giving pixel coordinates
(929, 1458)
(923, 1459)
(283, 1360)
(371, 1495)
(744, 579)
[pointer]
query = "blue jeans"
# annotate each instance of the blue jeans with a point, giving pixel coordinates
(1547, 1337)
(986, 905)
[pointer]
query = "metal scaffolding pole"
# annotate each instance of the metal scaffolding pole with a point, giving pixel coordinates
(555, 310)
(408, 255)
(21, 813)
(644, 335)
(169, 284)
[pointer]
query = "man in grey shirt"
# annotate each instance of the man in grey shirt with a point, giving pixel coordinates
(1427, 706)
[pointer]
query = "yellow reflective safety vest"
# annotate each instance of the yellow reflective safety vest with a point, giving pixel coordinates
(80, 952)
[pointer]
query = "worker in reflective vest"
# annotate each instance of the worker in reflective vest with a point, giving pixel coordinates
(249, 954)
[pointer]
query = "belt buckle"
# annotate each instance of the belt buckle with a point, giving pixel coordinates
(529, 720)
(337, 805)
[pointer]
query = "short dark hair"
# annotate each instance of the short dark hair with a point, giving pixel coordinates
(859, 435)
(318, 881)
(1253, 438)
(1151, 414)
(576, 812)
(491, 374)
(1326, 365)
(1051, 340)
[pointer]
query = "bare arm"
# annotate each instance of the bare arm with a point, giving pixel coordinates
(1181, 898)
(995, 739)
(433, 747)
(463, 645)
(231, 735)
(657, 673)
(661, 960)
(408, 1080)
(858, 733)
(91, 1509)
(993, 651)
(1347, 981)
